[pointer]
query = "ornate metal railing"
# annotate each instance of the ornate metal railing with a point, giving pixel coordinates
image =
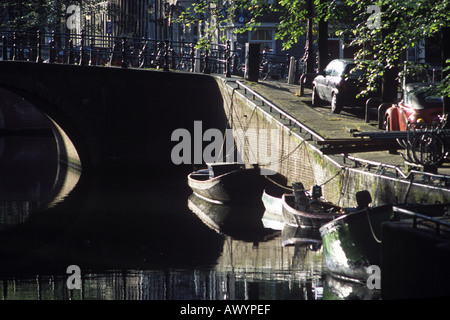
(125, 52)
(99, 50)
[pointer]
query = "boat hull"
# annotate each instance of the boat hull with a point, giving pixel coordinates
(272, 203)
(298, 218)
(351, 243)
(237, 186)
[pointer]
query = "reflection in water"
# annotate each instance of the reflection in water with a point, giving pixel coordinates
(140, 237)
(340, 289)
(32, 178)
(295, 273)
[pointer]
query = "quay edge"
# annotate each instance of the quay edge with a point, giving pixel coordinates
(298, 158)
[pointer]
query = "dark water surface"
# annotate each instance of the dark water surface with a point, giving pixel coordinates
(138, 237)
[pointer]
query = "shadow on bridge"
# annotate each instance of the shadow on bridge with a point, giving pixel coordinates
(116, 117)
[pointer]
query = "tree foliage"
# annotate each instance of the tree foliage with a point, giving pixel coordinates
(403, 24)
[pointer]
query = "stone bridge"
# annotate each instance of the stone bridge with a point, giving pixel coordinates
(114, 117)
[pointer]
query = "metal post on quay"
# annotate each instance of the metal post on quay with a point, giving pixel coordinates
(228, 61)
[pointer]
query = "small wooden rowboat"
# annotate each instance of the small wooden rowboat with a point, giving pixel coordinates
(314, 215)
(227, 183)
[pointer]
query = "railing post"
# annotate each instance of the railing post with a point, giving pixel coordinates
(124, 52)
(173, 56)
(71, 55)
(39, 47)
(91, 53)
(192, 57)
(14, 47)
(52, 48)
(4, 48)
(82, 49)
(207, 69)
(166, 55)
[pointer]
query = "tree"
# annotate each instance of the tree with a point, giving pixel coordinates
(402, 24)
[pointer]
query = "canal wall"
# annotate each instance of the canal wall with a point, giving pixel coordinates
(277, 144)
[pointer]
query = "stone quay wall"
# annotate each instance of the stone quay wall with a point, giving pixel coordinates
(293, 154)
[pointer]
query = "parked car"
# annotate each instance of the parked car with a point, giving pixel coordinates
(416, 106)
(339, 84)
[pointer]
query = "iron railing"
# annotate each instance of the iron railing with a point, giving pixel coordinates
(100, 50)
(106, 50)
(439, 225)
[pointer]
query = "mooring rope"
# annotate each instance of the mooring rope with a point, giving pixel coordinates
(284, 157)
(338, 173)
(371, 228)
(276, 183)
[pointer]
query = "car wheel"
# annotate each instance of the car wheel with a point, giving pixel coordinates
(336, 104)
(315, 100)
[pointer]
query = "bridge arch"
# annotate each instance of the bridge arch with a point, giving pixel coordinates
(117, 118)
(76, 143)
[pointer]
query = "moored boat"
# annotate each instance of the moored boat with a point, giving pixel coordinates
(352, 243)
(227, 183)
(314, 215)
(306, 209)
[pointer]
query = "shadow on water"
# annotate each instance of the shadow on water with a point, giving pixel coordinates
(135, 235)
(113, 222)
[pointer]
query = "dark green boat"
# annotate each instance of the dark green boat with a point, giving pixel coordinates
(352, 242)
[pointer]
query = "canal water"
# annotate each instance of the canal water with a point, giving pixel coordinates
(140, 237)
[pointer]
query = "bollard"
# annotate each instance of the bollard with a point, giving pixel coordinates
(251, 62)
(371, 103)
(228, 62)
(291, 74)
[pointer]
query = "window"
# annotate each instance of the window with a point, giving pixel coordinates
(265, 37)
